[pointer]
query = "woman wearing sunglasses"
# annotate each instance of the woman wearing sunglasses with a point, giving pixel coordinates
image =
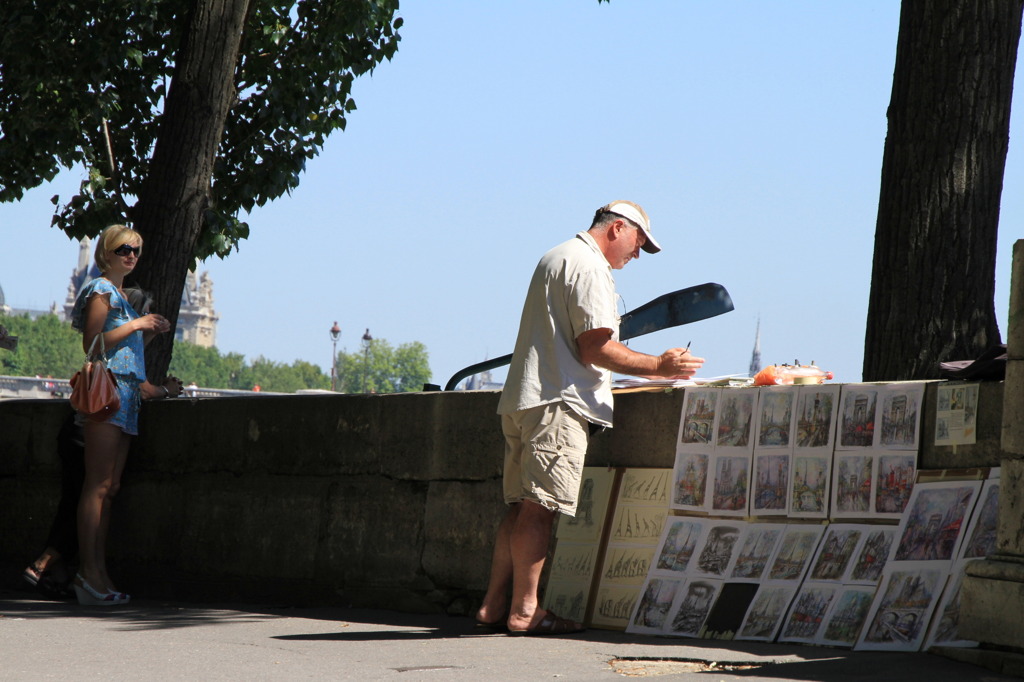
(102, 309)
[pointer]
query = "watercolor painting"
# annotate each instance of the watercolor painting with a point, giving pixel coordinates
(717, 550)
(851, 485)
(757, 545)
(846, 618)
(807, 614)
(775, 417)
(935, 518)
(653, 607)
(678, 544)
(809, 489)
(836, 552)
(945, 628)
(816, 416)
(736, 420)
(872, 555)
(798, 545)
(697, 599)
(771, 484)
(690, 481)
(698, 423)
(857, 421)
(980, 540)
(894, 483)
(902, 608)
(729, 489)
(764, 617)
(727, 614)
(901, 415)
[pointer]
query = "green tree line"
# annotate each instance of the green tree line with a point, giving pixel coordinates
(49, 347)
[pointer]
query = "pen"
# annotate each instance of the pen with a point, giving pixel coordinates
(688, 345)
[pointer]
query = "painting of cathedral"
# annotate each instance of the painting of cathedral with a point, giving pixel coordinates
(696, 428)
(935, 519)
(735, 422)
(816, 416)
(729, 489)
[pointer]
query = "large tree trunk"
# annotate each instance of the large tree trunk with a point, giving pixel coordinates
(170, 209)
(933, 276)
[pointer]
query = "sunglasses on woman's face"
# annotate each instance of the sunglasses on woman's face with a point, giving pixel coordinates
(125, 249)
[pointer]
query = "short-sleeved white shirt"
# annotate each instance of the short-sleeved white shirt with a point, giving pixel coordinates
(572, 291)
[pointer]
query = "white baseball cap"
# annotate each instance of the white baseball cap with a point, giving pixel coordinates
(633, 213)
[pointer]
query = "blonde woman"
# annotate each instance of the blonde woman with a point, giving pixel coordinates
(102, 309)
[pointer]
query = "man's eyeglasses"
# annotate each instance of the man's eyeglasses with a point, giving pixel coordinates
(125, 249)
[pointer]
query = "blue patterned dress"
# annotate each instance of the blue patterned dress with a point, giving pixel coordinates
(124, 359)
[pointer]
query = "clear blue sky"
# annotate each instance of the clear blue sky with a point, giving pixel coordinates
(751, 132)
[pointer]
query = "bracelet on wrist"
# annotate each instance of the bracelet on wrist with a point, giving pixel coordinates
(167, 394)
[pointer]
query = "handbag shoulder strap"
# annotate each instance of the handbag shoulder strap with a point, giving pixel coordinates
(92, 346)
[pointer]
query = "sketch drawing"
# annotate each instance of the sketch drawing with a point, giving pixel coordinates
(771, 483)
(756, 548)
(936, 514)
(729, 490)
(766, 612)
(735, 422)
(872, 556)
(808, 612)
(980, 540)
(902, 609)
(637, 525)
(690, 481)
(594, 498)
(653, 607)
(699, 409)
(846, 619)
(698, 598)
(851, 487)
(809, 490)
(677, 547)
(717, 550)
(857, 421)
(613, 606)
(795, 551)
(775, 421)
(626, 565)
(573, 561)
(836, 552)
(894, 483)
(645, 486)
(816, 416)
(568, 599)
(901, 415)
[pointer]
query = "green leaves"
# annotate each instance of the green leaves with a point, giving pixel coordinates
(379, 368)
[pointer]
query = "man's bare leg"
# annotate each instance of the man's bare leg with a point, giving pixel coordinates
(495, 604)
(529, 541)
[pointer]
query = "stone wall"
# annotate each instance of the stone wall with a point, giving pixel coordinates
(388, 501)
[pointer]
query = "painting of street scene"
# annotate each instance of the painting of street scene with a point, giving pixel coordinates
(872, 557)
(901, 415)
(681, 536)
(809, 494)
(851, 489)
(691, 481)
(653, 607)
(759, 541)
(736, 421)
(945, 629)
(808, 613)
(836, 552)
(717, 551)
(776, 417)
(843, 624)
(699, 408)
(980, 540)
(771, 483)
(694, 608)
(858, 417)
(901, 613)
(729, 490)
(795, 552)
(816, 416)
(894, 483)
(766, 612)
(935, 517)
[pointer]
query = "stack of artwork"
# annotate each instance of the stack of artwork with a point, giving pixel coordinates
(793, 514)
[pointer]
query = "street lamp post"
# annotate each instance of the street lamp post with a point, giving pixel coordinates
(335, 334)
(366, 356)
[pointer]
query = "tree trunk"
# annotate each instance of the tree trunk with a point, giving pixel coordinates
(169, 213)
(933, 275)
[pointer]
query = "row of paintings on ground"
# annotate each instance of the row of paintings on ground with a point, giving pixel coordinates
(627, 562)
(807, 451)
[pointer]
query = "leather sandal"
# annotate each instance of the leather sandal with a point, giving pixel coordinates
(551, 624)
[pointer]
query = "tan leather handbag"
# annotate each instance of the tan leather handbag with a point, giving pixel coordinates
(94, 388)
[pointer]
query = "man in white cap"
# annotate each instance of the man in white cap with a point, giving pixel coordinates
(558, 388)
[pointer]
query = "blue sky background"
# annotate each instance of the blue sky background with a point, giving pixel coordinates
(751, 132)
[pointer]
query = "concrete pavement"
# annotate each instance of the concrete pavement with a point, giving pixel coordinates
(158, 640)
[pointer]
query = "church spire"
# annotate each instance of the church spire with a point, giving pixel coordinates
(755, 357)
